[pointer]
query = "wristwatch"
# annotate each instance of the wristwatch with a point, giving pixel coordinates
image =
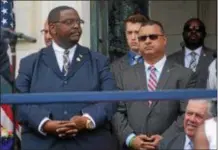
(89, 124)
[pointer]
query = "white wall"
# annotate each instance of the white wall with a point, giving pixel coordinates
(30, 17)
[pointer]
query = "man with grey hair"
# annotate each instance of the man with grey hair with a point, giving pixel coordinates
(197, 111)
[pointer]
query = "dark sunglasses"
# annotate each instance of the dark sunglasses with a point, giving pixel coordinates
(150, 36)
(188, 29)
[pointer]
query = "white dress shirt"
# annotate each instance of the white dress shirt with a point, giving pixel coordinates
(59, 52)
(159, 67)
(187, 143)
(188, 56)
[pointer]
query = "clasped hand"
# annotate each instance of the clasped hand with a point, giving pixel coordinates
(143, 142)
(66, 129)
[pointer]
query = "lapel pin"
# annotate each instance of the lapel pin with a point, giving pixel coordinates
(81, 56)
(78, 59)
(204, 55)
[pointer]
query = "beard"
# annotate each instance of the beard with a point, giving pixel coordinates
(191, 44)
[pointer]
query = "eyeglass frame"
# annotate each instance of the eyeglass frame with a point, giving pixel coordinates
(73, 22)
(149, 36)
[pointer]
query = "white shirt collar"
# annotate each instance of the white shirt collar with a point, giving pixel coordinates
(197, 51)
(187, 141)
(158, 65)
(59, 49)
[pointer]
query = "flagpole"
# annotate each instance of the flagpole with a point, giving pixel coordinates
(13, 43)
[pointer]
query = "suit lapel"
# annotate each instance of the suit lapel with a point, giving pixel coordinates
(141, 76)
(179, 142)
(81, 55)
(181, 57)
(49, 58)
(202, 60)
(124, 62)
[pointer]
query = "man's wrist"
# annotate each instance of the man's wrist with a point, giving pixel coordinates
(131, 141)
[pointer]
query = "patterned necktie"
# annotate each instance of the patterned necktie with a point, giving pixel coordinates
(152, 82)
(66, 63)
(193, 62)
(136, 60)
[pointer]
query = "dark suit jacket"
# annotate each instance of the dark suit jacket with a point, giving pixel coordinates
(119, 65)
(40, 73)
(202, 68)
(160, 118)
(173, 142)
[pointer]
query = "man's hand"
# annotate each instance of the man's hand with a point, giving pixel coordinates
(139, 143)
(67, 130)
(51, 126)
(154, 141)
(80, 122)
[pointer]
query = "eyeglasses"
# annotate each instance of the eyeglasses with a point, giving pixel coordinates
(70, 22)
(150, 36)
(44, 31)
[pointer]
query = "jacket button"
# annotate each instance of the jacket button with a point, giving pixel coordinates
(65, 82)
(65, 112)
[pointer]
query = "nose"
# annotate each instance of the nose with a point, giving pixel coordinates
(192, 118)
(134, 36)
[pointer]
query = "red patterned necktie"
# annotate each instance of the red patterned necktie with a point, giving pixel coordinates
(152, 82)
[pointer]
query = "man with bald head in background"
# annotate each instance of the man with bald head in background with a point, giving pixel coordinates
(46, 34)
(194, 54)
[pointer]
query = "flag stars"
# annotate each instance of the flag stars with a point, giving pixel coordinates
(4, 1)
(4, 11)
(4, 21)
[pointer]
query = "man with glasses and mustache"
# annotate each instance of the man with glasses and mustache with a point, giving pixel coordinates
(194, 54)
(66, 66)
(46, 34)
(141, 125)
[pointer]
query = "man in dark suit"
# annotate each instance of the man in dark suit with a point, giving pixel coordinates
(66, 66)
(141, 125)
(197, 112)
(194, 54)
(132, 25)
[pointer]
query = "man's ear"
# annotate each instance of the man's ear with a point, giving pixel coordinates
(52, 29)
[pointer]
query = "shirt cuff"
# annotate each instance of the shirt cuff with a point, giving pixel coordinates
(129, 138)
(41, 124)
(92, 120)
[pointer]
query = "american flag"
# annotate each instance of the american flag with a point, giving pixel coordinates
(8, 21)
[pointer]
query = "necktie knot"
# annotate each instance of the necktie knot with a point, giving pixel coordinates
(152, 68)
(66, 52)
(193, 54)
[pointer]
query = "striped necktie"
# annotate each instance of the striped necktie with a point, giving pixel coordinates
(66, 63)
(193, 62)
(152, 82)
